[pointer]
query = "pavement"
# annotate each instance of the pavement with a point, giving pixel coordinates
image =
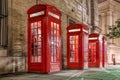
(109, 73)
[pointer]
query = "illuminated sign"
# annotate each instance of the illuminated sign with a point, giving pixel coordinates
(74, 30)
(85, 30)
(37, 14)
(93, 38)
(53, 15)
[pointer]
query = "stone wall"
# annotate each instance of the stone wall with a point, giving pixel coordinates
(109, 12)
(18, 22)
(16, 58)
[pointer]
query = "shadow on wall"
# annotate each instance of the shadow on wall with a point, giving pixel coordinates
(12, 64)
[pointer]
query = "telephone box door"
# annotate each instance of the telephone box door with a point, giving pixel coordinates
(73, 51)
(54, 44)
(35, 58)
(92, 53)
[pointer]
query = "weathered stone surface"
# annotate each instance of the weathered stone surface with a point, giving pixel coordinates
(18, 27)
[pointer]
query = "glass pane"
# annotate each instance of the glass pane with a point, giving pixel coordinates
(35, 24)
(36, 45)
(35, 52)
(32, 59)
(39, 37)
(74, 48)
(36, 58)
(39, 44)
(54, 41)
(39, 58)
(39, 23)
(32, 31)
(32, 25)
(52, 50)
(39, 30)
(35, 31)
(55, 31)
(92, 52)
(57, 27)
(39, 52)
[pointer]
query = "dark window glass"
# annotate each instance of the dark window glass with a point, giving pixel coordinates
(71, 22)
(3, 23)
(0, 7)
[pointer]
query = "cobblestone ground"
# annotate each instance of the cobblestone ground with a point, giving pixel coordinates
(63, 75)
(110, 73)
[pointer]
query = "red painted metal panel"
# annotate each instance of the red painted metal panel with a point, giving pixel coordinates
(77, 46)
(44, 39)
(104, 55)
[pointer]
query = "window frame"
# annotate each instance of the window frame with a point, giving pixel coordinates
(4, 23)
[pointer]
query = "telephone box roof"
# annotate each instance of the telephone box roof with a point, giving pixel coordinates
(40, 7)
(75, 26)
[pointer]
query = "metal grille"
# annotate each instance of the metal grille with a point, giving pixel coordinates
(3, 23)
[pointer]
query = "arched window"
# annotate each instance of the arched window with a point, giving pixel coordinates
(3, 23)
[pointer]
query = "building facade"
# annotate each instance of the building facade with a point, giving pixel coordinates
(109, 13)
(14, 26)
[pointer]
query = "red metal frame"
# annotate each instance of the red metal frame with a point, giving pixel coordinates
(44, 39)
(77, 46)
(104, 55)
(95, 50)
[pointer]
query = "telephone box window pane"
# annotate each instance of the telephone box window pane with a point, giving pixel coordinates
(74, 48)
(35, 39)
(32, 25)
(39, 23)
(39, 30)
(54, 41)
(39, 58)
(39, 44)
(35, 52)
(39, 37)
(32, 31)
(36, 42)
(52, 38)
(35, 25)
(58, 34)
(36, 58)
(51, 24)
(39, 52)
(32, 59)
(57, 27)
(35, 31)
(52, 51)
(92, 52)
(55, 32)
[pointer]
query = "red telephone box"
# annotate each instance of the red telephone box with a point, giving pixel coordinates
(104, 53)
(44, 39)
(95, 50)
(77, 46)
